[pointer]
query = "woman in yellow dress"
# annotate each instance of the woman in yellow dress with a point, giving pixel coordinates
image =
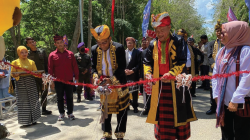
(26, 91)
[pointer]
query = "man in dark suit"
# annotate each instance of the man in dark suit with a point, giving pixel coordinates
(213, 48)
(133, 62)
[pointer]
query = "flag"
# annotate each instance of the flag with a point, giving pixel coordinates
(146, 17)
(112, 16)
(248, 6)
(231, 16)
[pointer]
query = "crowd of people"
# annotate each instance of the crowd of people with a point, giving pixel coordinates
(161, 54)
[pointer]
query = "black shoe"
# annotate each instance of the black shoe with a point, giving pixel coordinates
(78, 100)
(136, 110)
(89, 98)
(34, 123)
(128, 108)
(103, 138)
(200, 87)
(119, 138)
(210, 112)
(194, 95)
(145, 113)
(46, 112)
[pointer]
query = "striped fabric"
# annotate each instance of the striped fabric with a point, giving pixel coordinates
(28, 104)
(165, 129)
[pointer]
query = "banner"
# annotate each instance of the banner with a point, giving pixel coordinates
(146, 17)
(248, 6)
(231, 16)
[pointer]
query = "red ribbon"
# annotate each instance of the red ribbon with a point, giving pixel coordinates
(112, 16)
(196, 78)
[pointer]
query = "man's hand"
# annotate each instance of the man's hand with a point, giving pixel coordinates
(108, 81)
(165, 80)
(2, 76)
(52, 85)
(128, 72)
(85, 72)
(232, 107)
(216, 100)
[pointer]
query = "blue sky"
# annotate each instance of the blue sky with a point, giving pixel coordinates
(206, 9)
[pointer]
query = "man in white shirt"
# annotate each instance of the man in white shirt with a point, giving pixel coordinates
(205, 65)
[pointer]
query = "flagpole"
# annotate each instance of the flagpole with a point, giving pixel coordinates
(80, 8)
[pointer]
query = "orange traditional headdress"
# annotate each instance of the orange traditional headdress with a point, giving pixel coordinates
(160, 20)
(100, 32)
(218, 25)
(182, 32)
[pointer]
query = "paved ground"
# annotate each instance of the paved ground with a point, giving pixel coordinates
(87, 127)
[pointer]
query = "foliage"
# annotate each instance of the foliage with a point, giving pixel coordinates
(183, 15)
(42, 19)
(238, 6)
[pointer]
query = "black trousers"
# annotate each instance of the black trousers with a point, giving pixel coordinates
(147, 106)
(236, 127)
(135, 99)
(44, 92)
(193, 88)
(60, 88)
(121, 122)
(212, 101)
(205, 71)
(86, 79)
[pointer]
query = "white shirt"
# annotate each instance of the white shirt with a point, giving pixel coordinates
(128, 55)
(232, 94)
(188, 64)
(106, 64)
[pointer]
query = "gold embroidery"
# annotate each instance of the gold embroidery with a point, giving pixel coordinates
(107, 134)
(99, 61)
(120, 135)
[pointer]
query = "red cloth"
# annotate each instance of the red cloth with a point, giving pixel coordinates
(163, 68)
(86, 50)
(151, 34)
(63, 65)
(165, 22)
(165, 129)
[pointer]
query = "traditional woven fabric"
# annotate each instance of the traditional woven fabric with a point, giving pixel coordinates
(165, 129)
(27, 100)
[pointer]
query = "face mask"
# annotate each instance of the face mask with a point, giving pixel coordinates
(82, 49)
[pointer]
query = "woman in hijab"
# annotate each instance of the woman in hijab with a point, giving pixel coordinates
(26, 91)
(231, 98)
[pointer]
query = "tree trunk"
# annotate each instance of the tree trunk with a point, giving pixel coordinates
(90, 25)
(14, 40)
(77, 32)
